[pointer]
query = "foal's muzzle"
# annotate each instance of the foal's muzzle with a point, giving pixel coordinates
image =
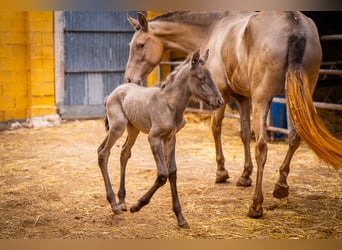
(217, 103)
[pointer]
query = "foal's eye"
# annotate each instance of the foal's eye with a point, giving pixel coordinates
(140, 45)
(200, 78)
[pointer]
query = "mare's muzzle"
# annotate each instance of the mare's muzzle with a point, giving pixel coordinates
(137, 81)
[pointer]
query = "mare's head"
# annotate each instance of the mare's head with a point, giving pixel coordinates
(146, 51)
(201, 84)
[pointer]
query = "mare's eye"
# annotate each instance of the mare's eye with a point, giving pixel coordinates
(140, 46)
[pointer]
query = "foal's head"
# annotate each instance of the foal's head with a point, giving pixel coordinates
(201, 84)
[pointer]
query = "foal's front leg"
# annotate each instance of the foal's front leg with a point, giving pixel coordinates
(162, 172)
(173, 183)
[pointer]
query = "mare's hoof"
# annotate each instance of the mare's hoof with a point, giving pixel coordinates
(221, 176)
(244, 182)
(255, 212)
(117, 210)
(281, 191)
(184, 225)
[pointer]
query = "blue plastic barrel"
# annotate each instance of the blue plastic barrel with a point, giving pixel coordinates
(279, 118)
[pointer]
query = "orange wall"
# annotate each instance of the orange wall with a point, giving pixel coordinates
(26, 64)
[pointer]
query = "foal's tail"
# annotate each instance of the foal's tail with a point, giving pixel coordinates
(106, 117)
(302, 110)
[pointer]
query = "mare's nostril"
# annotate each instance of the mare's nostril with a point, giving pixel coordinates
(128, 79)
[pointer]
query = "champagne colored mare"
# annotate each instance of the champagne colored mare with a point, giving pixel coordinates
(254, 57)
(158, 112)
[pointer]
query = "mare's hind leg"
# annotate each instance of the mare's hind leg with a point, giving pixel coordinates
(281, 189)
(113, 135)
(162, 172)
(173, 183)
(245, 134)
(125, 155)
(260, 108)
(216, 127)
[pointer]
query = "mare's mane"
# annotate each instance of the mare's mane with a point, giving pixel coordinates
(203, 19)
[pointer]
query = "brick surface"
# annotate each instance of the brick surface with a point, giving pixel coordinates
(26, 64)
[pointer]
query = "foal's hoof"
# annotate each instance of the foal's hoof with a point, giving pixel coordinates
(184, 225)
(117, 210)
(281, 191)
(244, 182)
(221, 176)
(255, 212)
(123, 207)
(134, 208)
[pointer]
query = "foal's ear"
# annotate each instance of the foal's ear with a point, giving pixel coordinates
(142, 21)
(195, 58)
(206, 55)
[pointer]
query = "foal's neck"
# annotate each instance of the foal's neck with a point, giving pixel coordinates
(177, 92)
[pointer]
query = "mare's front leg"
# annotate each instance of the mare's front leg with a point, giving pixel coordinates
(173, 182)
(132, 134)
(103, 155)
(245, 134)
(216, 127)
(162, 172)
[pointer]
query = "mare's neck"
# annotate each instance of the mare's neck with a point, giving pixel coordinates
(179, 36)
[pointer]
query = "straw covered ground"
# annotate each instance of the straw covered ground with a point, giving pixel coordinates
(51, 187)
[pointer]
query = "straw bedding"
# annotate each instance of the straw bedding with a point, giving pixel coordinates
(51, 187)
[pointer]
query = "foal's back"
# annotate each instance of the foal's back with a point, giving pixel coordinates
(134, 103)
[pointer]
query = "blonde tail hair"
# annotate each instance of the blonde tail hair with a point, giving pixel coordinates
(306, 121)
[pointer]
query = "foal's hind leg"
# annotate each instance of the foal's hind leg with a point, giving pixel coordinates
(162, 172)
(216, 127)
(281, 189)
(103, 154)
(125, 155)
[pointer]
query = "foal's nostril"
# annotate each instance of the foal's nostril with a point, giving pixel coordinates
(128, 79)
(220, 102)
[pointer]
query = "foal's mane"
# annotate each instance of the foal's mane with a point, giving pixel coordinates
(202, 18)
(171, 77)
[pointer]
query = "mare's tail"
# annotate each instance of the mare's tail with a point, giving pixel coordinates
(302, 110)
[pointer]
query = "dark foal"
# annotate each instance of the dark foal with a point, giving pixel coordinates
(158, 112)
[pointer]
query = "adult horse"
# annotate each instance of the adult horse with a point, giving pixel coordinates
(254, 57)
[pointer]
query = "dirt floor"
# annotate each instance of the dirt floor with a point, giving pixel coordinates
(51, 187)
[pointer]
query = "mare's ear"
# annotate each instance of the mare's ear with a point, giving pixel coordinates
(142, 21)
(206, 55)
(134, 22)
(195, 58)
